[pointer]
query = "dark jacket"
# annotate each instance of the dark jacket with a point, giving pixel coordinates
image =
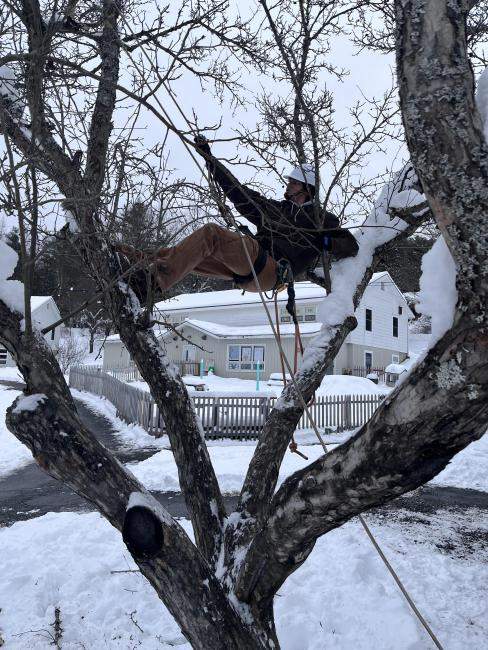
(284, 229)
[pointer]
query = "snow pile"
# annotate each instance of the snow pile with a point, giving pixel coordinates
(160, 473)
(482, 100)
(341, 597)
(29, 403)
(131, 435)
(11, 291)
(348, 385)
(438, 294)
(406, 199)
(396, 368)
(13, 454)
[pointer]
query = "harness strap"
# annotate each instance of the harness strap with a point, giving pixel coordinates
(259, 264)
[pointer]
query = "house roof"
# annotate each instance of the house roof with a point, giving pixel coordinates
(37, 301)
(186, 301)
(219, 331)
(116, 337)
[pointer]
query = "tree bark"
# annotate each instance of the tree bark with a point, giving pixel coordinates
(219, 599)
(444, 405)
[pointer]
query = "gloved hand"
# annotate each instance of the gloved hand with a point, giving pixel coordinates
(201, 144)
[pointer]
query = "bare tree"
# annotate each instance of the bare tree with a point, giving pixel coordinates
(70, 352)
(221, 589)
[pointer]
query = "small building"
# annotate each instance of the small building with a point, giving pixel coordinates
(231, 333)
(394, 371)
(44, 312)
(235, 350)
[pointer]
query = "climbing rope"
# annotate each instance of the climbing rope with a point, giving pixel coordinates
(224, 210)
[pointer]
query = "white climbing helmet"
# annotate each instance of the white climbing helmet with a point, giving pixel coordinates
(305, 173)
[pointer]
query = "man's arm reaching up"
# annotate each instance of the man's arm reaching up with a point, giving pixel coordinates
(250, 204)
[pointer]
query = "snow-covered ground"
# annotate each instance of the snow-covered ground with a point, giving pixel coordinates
(13, 454)
(331, 385)
(342, 597)
(468, 469)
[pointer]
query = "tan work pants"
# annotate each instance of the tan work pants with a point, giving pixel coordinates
(211, 251)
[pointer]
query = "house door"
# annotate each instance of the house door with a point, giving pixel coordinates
(368, 360)
(189, 352)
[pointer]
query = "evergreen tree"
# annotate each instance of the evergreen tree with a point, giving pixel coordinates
(404, 262)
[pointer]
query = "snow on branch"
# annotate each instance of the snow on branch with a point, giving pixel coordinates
(11, 291)
(438, 293)
(349, 274)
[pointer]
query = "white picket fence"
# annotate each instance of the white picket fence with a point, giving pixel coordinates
(234, 417)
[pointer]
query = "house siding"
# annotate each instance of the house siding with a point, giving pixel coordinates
(115, 355)
(42, 316)
(247, 314)
(383, 301)
(384, 305)
(216, 351)
(381, 357)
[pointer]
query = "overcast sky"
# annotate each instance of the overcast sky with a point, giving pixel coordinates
(371, 75)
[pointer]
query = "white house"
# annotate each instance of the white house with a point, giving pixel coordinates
(44, 312)
(230, 332)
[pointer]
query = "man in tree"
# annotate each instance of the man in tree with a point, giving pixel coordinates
(286, 230)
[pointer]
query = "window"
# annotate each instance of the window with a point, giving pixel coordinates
(304, 314)
(3, 356)
(395, 358)
(382, 286)
(310, 314)
(259, 355)
(400, 311)
(189, 352)
(245, 357)
(368, 360)
(234, 353)
(369, 320)
(395, 326)
(284, 316)
(52, 334)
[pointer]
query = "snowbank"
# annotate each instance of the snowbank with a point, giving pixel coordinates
(13, 454)
(342, 597)
(131, 435)
(230, 463)
(331, 385)
(468, 469)
(348, 385)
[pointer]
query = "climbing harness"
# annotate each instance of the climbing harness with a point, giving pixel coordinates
(259, 265)
(278, 342)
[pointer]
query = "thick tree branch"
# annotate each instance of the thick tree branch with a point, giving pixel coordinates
(263, 470)
(404, 445)
(47, 422)
(101, 122)
(444, 405)
(197, 477)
